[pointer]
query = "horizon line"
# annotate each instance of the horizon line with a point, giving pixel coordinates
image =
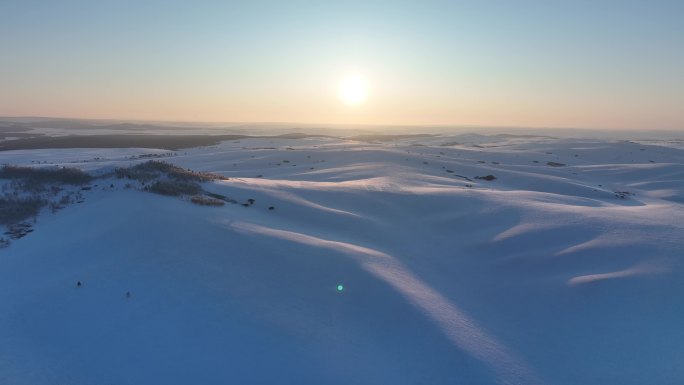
(337, 125)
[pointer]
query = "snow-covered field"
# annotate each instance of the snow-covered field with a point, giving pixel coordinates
(564, 269)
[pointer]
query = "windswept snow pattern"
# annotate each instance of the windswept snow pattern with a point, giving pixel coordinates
(564, 268)
(455, 325)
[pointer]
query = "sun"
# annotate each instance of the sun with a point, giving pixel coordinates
(353, 89)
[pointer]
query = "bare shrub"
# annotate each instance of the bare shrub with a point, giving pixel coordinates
(16, 209)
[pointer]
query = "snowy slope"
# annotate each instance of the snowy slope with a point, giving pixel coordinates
(548, 274)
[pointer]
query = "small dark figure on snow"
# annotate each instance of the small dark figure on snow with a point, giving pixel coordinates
(79, 284)
(128, 294)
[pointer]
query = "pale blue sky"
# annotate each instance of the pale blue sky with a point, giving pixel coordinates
(604, 64)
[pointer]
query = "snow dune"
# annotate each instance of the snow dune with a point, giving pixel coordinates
(565, 269)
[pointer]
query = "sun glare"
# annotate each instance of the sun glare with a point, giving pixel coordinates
(353, 89)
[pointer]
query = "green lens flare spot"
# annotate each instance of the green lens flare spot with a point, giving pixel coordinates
(340, 287)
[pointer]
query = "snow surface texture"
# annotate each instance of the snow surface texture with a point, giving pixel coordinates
(565, 269)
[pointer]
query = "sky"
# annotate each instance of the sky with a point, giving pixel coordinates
(585, 64)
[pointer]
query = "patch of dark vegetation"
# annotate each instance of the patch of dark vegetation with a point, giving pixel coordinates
(221, 197)
(36, 178)
(489, 177)
(556, 164)
(27, 190)
(155, 169)
(167, 179)
(166, 142)
(174, 188)
(206, 201)
(14, 210)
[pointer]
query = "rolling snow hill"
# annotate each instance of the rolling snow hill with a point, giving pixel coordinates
(563, 267)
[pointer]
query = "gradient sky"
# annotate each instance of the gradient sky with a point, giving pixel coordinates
(593, 64)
